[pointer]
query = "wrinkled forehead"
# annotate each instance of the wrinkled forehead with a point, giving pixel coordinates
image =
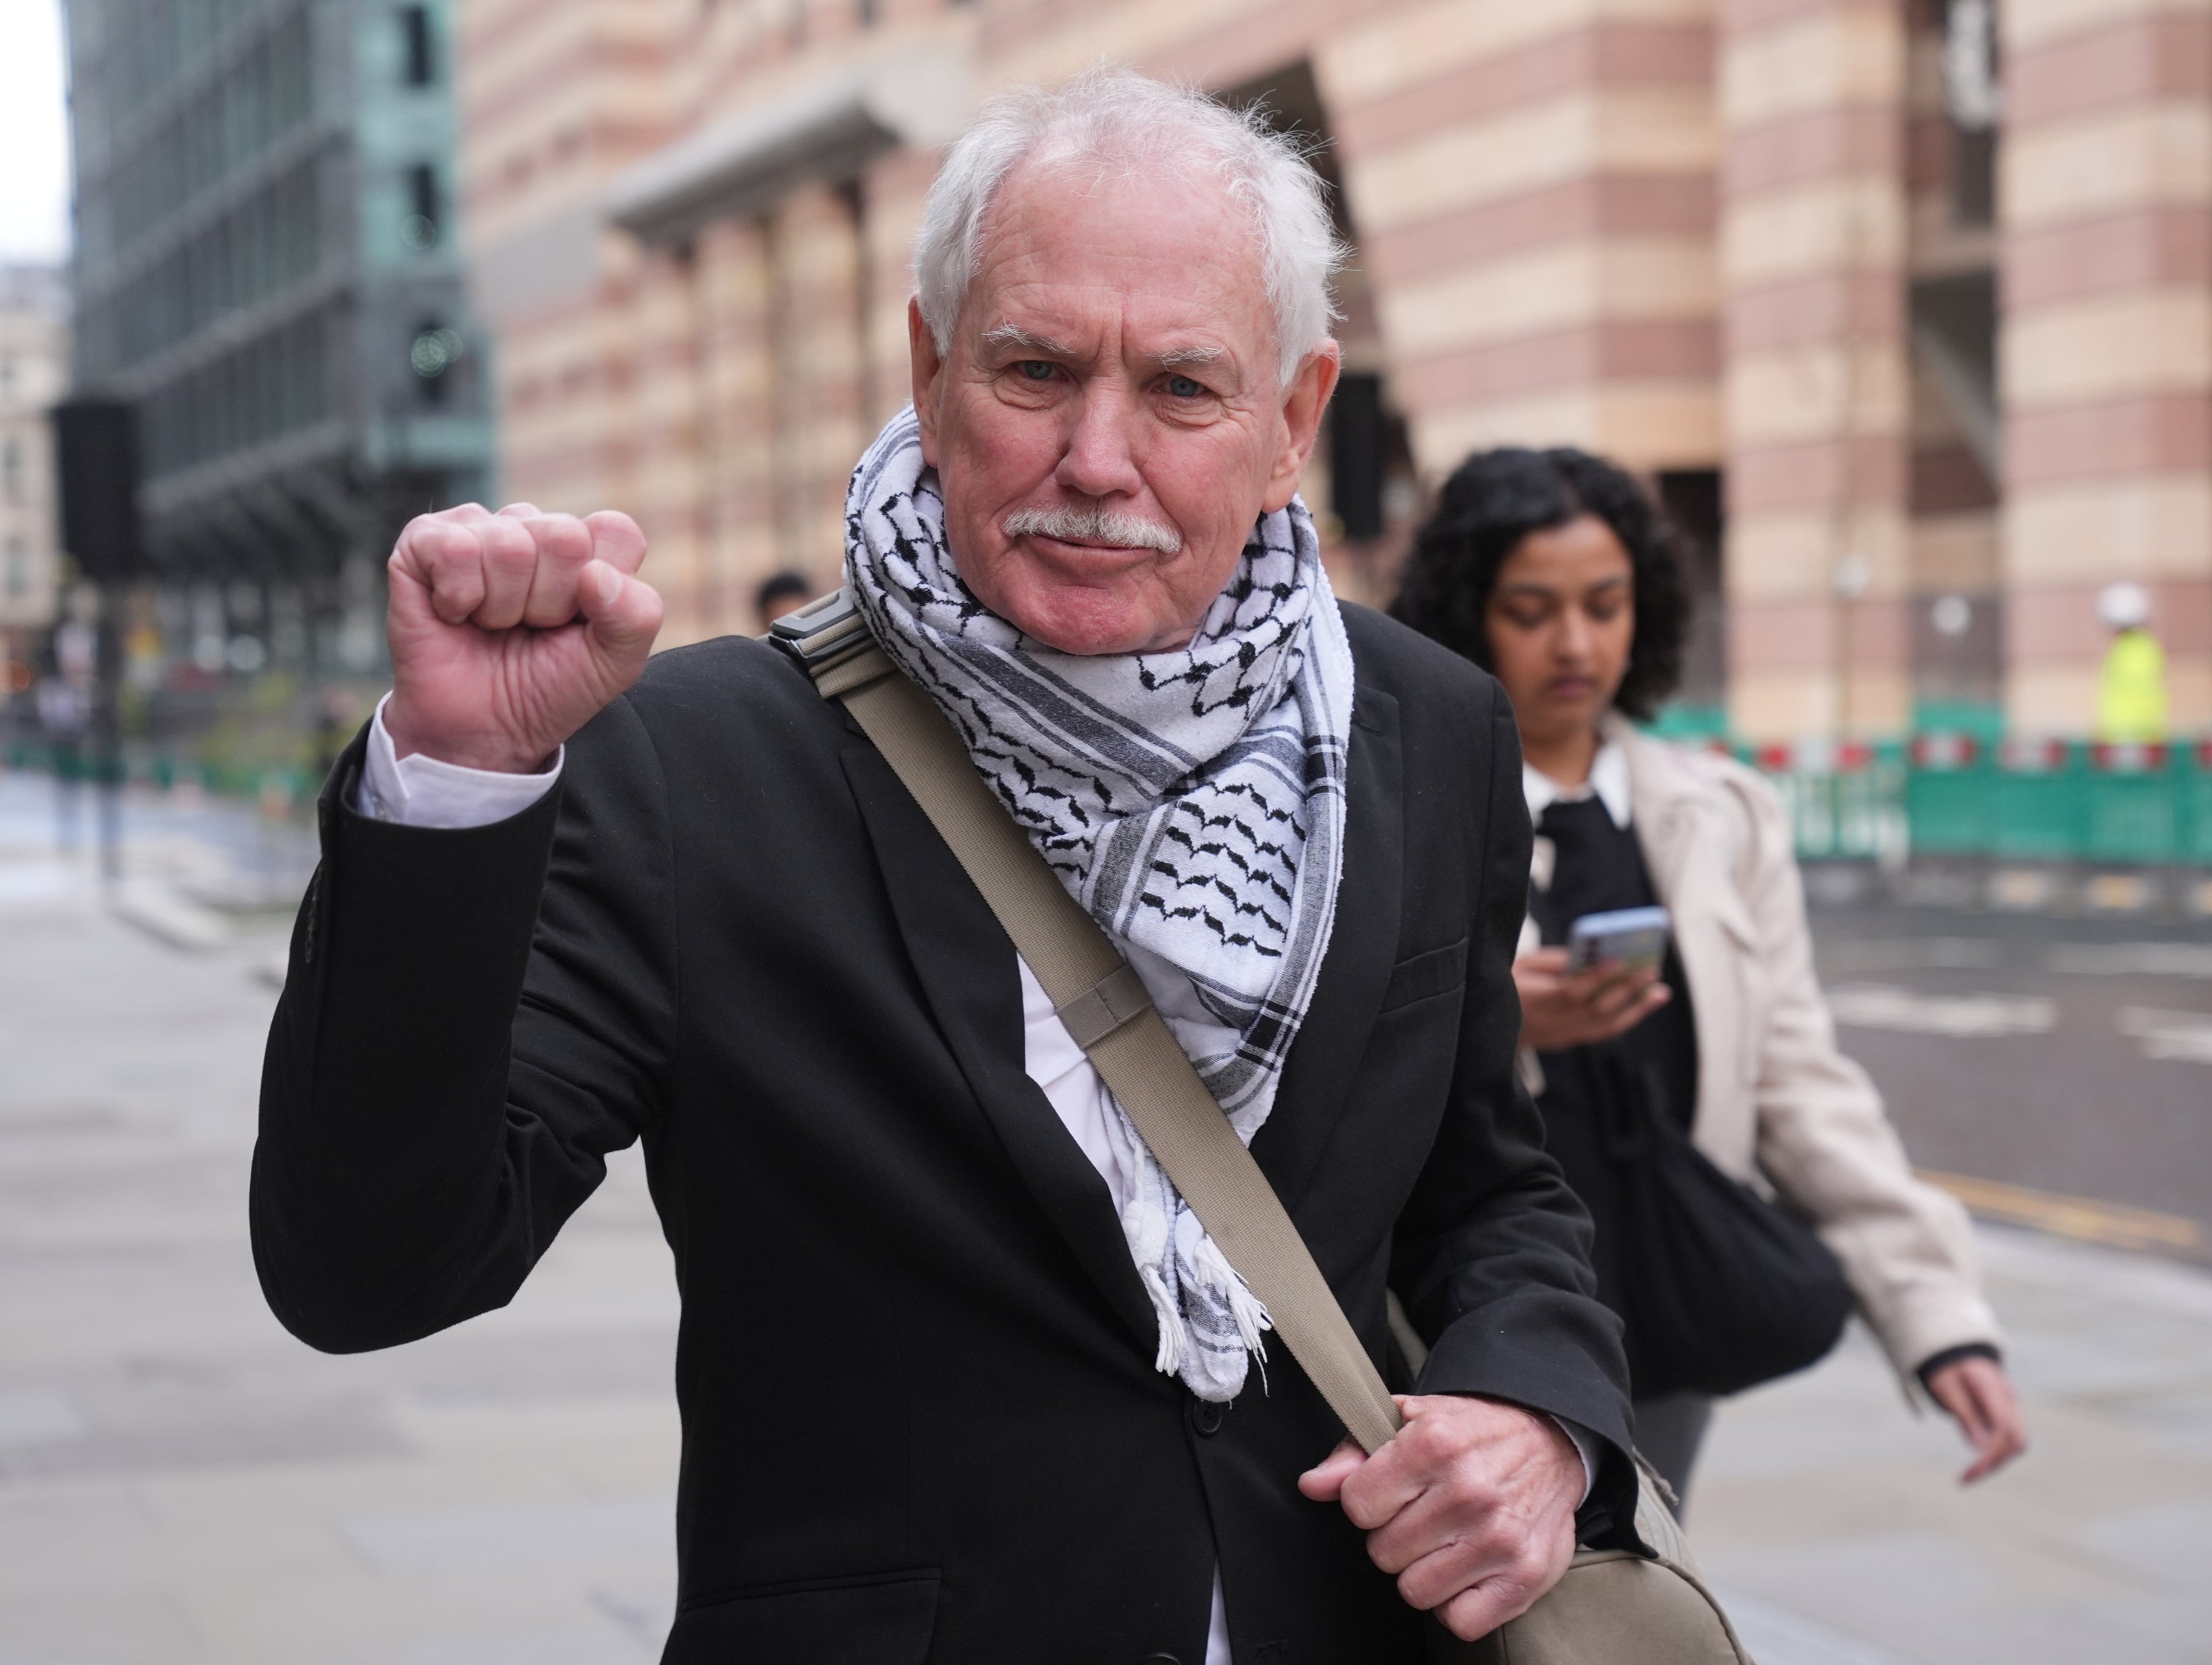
(1171, 240)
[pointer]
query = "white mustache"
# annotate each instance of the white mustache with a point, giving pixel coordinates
(1094, 526)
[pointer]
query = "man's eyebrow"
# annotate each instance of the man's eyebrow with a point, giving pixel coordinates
(1176, 357)
(1013, 335)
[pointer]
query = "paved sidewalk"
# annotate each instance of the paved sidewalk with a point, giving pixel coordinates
(182, 1483)
(1833, 1520)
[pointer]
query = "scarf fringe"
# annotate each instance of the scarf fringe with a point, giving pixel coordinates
(1247, 1309)
(1146, 1228)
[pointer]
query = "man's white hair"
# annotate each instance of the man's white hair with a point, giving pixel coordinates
(1122, 123)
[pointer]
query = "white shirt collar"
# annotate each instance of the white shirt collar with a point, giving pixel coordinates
(1607, 783)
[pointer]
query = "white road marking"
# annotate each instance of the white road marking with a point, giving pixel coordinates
(2180, 1036)
(2133, 959)
(1884, 1006)
(1872, 957)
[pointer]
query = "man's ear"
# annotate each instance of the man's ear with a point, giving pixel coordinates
(928, 366)
(1302, 404)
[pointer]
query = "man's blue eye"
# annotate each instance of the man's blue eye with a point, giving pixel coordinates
(1184, 388)
(1035, 369)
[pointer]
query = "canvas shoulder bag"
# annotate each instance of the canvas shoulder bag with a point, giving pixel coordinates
(1614, 1606)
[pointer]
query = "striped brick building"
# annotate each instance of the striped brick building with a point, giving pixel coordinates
(1904, 306)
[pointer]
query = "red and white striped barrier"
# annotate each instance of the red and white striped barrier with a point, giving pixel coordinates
(2029, 755)
(2128, 757)
(1945, 751)
(1814, 756)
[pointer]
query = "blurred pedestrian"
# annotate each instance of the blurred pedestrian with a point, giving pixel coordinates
(1553, 570)
(779, 593)
(64, 714)
(2131, 687)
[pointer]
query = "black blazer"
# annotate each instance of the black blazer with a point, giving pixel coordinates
(921, 1417)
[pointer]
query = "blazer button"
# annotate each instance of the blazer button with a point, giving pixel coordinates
(1206, 1416)
(1161, 1659)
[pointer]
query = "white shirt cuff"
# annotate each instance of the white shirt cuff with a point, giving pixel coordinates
(421, 792)
(1592, 1450)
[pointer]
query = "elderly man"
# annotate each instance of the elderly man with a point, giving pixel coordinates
(962, 1376)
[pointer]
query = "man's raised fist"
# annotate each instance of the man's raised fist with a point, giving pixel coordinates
(510, 631)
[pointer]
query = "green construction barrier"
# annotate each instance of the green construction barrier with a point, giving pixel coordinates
(1687, 722)
(1948, 807)
(2193, 793)
(2023, 801)
(1852, 810)
(1870, 806)
(2039, 811)
(2133, 810)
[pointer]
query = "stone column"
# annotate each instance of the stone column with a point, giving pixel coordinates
(818, 344)
(2106, 345)
(736, 387)
(660, 435)
(1812, 218)
(892, 196)
(1531, 187)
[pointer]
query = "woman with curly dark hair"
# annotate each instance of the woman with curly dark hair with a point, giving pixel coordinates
(1664, 1078)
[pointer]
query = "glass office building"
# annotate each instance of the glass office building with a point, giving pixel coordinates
(268, 267)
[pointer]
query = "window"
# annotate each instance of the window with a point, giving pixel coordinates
(1356, 454)
(420, 68)
(17, 576)
(1694, 501)
(11, 469)
(1971, 100)
(420, 228)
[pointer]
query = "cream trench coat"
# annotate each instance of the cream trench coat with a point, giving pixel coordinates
(1778, 1106)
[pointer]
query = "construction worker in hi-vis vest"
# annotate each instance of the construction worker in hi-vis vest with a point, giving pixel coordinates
(2132, 691)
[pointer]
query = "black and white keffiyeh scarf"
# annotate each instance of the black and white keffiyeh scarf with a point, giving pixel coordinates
(1192, 802)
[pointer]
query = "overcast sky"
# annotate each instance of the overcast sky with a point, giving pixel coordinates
(34, 133)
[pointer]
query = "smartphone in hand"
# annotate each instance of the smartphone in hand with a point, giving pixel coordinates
(1631, 938)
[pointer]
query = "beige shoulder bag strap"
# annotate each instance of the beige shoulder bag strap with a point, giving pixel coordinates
(1104, 1005)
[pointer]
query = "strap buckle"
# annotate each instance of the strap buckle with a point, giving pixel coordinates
(1118, 997)
(824, 634)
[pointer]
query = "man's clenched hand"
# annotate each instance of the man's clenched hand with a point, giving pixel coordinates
(1471, 1507)
(510, 631)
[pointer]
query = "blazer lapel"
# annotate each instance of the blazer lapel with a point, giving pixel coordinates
(1663, 813)
(1361, 949)
(1683, 832)
(1686, 848)
(966, 967)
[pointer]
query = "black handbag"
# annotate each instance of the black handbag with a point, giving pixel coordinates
(1721, 1289)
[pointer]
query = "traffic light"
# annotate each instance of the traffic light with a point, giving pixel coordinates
(96, 445)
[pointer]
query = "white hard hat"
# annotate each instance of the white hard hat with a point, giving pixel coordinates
(2123, 606)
